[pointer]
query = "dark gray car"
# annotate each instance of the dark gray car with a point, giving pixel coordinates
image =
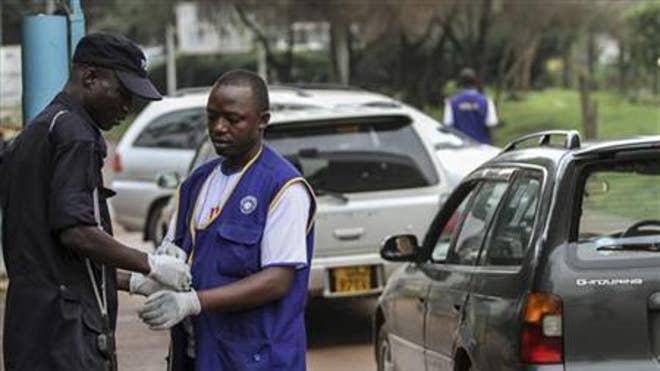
(545, 258)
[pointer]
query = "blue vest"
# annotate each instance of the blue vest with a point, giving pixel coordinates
(469, 108)
(270, 337)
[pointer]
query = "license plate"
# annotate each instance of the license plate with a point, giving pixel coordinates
(352, 279)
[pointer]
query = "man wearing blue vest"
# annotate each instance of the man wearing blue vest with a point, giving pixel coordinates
(469, 111)
(245, 221)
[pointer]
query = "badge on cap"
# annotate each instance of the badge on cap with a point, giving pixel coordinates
(143, 63)
(248, 204)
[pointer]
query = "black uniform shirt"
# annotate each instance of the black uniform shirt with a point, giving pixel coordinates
(49, 175)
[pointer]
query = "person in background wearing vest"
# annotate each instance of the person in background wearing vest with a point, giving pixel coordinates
(57, 235)
(245, 222)
(470, 111)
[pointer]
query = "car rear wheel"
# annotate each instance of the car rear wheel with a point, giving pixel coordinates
(384, 351)
(157, 228)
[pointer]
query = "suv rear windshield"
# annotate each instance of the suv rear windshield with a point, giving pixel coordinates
(620, 216)
(355, 155)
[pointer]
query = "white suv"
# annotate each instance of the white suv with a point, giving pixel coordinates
(164, 136)
(378, 168)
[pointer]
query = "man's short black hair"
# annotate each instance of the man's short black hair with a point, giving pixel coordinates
(467, 77)
(249, 79)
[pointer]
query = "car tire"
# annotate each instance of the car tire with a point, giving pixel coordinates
(384, 351)
(157, 228)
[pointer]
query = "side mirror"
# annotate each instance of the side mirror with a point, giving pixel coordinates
(400, 248)
(168, 180)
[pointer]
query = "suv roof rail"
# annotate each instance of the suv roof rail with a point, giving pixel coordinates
(315, 86)
(571, 141)
(192, 90)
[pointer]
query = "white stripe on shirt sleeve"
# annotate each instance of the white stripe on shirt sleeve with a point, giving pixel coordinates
(448, 115)
(491, 115)
(284, 242)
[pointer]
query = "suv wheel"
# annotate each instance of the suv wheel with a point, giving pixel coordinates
(157, 228)
(384, 351)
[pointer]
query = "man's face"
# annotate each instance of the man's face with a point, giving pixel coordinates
(235, 124)
(106, 100)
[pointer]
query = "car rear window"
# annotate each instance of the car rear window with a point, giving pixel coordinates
(355, 155)
(177, 130)
(620, 211)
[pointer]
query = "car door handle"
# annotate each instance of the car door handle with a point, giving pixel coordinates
(654, 301)
(347, 234)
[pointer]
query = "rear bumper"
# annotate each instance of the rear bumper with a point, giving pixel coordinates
(319, 277)
(133, 200)
(557, 367)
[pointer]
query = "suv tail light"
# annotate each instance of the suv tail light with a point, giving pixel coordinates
(115, 163)
(541, 340)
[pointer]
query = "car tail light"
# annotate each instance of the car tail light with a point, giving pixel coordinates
(115, 163)
(541, 340)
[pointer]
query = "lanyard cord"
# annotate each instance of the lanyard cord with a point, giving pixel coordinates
(102, 297)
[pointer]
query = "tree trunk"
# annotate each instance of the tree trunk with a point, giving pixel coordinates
(589, 107)
(566, 69)
(621, 78)
(340, 51)
(480, 45)
(501, 74)
(592, 56)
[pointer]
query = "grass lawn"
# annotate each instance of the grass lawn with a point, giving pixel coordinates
(560, 109)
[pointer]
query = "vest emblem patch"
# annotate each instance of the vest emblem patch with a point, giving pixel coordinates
(248, 204)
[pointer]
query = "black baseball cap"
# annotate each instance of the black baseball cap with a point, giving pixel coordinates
(122, 55)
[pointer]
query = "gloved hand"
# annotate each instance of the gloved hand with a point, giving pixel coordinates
(142, 285)
(170, 271)
(168, 248)
(165, 309)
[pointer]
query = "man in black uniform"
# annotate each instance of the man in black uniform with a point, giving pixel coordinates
(61, 259)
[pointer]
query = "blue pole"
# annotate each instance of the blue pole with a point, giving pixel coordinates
(45, 61)
(76, 25)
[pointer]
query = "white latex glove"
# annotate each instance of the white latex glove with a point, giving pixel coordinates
(140, 284)
(170, 271)
(168, 248)
(165, 309)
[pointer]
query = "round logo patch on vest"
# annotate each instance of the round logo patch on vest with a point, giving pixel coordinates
(248, 204)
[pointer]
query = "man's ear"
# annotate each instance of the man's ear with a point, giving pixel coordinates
(265, 117)
(88, 76)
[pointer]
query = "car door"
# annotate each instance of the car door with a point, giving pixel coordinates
(166, 144)
(455, 251)
(405, 305)
(610, 289)
(503, 275)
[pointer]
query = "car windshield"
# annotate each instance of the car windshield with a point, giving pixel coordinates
(620, 210)
(355, 155)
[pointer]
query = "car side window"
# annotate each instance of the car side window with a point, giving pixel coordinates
(513, 224)
(476, 219)
(450, 230)
(183, 129)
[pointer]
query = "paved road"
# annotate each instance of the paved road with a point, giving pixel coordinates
(338, 333)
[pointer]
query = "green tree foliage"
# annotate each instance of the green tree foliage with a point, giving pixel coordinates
(644, 38)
